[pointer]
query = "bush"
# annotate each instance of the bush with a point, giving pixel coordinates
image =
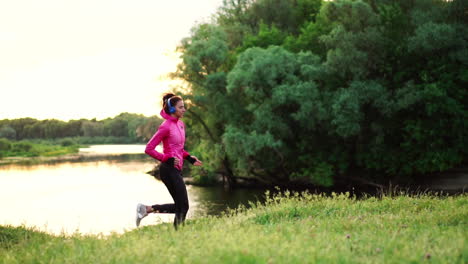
(5, 144)
(67, 142)
(22, 146)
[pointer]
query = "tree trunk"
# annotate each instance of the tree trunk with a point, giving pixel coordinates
(231, 181)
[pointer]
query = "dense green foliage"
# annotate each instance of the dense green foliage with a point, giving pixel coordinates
(317, 92)
(123, 128)
(288, 229)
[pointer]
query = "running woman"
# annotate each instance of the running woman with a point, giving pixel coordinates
(172, 134)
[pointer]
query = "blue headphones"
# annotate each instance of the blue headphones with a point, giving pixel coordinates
(171, 108)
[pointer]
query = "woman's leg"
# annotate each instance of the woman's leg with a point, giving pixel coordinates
(181, 200)
(166, 174)
(172, 178)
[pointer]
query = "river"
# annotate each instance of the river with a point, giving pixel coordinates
(99, 195)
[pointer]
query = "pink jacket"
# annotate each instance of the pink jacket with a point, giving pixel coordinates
(172, 134)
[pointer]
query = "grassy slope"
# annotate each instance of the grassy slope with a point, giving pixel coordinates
(310, 229)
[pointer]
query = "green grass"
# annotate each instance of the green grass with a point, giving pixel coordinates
(291, 228)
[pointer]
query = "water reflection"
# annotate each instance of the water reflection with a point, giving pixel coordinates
(216, 200)
(96, 196)
(115, 149)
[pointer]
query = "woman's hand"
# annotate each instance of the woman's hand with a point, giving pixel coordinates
(176, 162)
(197, 162)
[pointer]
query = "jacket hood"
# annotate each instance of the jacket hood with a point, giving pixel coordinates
(168, 117)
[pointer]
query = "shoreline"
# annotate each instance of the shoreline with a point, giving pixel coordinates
(75, 157)
(452, 181)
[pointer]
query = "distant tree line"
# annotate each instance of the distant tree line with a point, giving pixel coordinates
(317, 92)
(128, 126)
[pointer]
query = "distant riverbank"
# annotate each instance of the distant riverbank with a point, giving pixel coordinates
(27, 149)
(77, 153)
(76, 157)
(55, 147)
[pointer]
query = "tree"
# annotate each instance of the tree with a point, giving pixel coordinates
(204, 56)
(281, 110)
(92, 128)
(7, 132)
(316, 92)
(146, 130)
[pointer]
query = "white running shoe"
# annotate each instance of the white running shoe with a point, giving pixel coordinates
(141, 213)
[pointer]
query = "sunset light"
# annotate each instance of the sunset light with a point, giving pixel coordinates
(90, 59)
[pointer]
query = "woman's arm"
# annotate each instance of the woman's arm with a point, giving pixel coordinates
(162, 132)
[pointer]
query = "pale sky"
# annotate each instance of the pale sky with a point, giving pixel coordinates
(70, 59)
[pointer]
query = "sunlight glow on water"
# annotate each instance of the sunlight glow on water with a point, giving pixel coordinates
(115, 149)
(91, 197)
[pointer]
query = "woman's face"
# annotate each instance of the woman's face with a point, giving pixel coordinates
(180, 109)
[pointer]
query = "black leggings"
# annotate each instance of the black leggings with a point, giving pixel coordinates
(172, 178)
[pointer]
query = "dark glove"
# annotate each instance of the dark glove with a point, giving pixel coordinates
(190, 159)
